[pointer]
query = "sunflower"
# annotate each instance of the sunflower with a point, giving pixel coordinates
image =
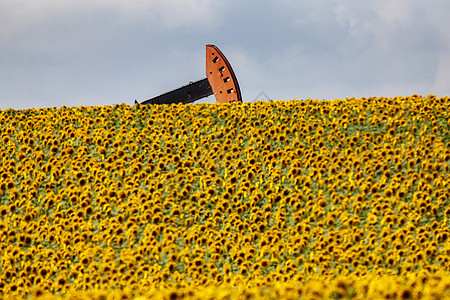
(322, 203)
(264, 263)
(371, 218)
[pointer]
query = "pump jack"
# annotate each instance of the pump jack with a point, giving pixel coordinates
(220, 80)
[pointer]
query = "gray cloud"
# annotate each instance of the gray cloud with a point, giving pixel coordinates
(108, 52)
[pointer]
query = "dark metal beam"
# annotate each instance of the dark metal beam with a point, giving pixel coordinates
(185, 94)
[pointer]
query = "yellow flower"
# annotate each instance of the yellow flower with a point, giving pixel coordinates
(371, 218)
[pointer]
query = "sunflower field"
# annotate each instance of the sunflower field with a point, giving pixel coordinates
(300, 199)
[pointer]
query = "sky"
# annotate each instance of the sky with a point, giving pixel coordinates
(106, 52)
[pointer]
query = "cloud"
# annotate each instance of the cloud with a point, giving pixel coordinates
(106, 52)
(88, 51)
(171, 13)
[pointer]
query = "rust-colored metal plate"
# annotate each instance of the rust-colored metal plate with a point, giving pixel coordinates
(221, 76)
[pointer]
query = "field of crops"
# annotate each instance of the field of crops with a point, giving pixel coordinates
(278, 200)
